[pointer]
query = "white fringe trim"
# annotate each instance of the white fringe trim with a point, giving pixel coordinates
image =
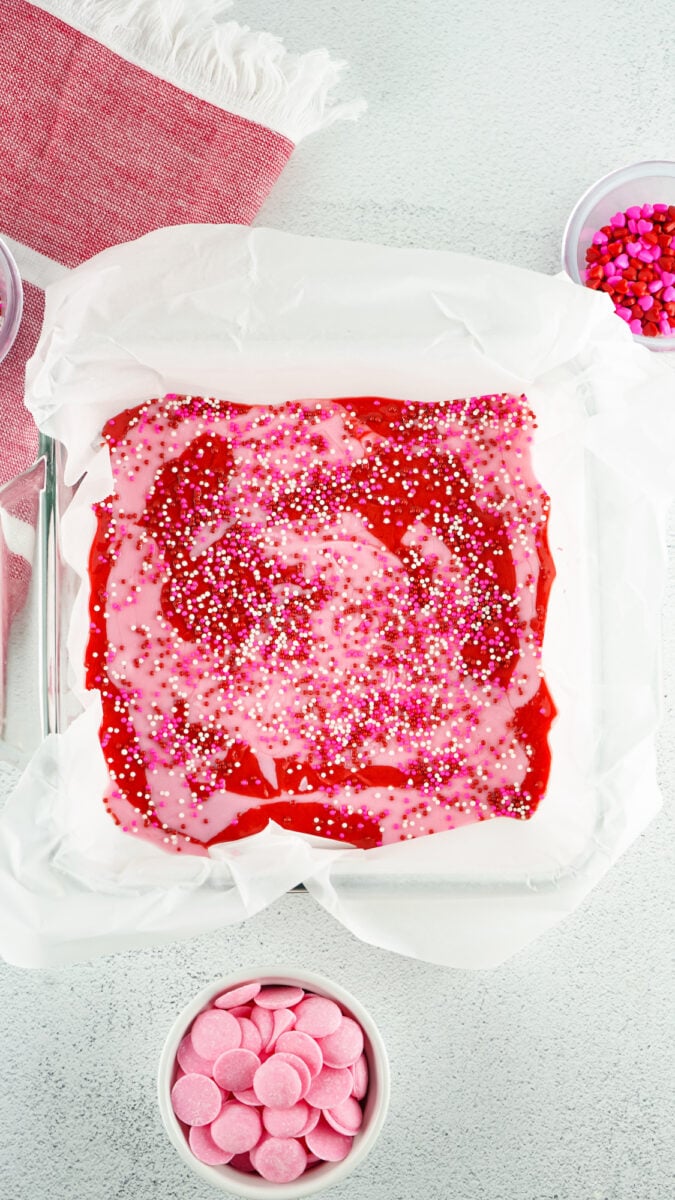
(186, 43)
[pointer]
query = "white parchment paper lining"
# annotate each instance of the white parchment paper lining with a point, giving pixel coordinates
(258, 316)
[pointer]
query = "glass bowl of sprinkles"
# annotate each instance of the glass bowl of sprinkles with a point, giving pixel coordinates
(11, 300)
(620, 239)
(273, 1084)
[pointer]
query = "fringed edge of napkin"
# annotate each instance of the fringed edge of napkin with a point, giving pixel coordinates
(249, 74)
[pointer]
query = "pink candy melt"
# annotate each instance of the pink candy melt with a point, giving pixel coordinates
(280, 1160)
(278, 1110)
(196, 1099)
(317, 1016)
(214, 1032)
(236, 996)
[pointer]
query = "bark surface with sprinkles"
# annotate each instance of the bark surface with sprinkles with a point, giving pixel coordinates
(325, 613)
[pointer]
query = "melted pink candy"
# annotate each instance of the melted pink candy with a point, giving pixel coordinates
(326, 613)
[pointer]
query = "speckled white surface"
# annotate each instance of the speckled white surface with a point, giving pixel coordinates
(552, 1077)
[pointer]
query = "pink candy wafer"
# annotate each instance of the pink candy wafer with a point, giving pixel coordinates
(196, 1099)
(189, 1060)
(205, 1149)
(277, 1084)
(287, 1122)
(298, 1065)
(344, 1046)
(238, 995)
(250, 1036)
(317, 1016)
(238, 1128)
(264, 1022)
(360, 1075)
(346, 1118)
(213, 1032)
(330, 1088)
(312, 1121)
(327, 1143)
(279, 1160)
(279, 997)
(235, 1069)
(304, 1047)
(284, 1019)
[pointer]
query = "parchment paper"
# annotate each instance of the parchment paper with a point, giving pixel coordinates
(257, 316)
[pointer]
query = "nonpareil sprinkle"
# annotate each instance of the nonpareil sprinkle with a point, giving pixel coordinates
(633, 260)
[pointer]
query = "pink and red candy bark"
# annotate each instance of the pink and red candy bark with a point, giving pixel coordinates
(271, 1079)
(633, 260)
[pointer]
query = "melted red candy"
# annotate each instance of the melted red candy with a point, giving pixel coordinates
(328, 614)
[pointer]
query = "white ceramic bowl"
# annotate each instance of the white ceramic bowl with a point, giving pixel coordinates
(252, 1187)
(11, 298)
(640, 183)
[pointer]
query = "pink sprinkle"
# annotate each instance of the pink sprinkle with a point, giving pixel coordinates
(660, 208)
(635, 326)
(668, 294)
(632, 226)
(655, 285)
(600, 238)
(645, 256)
(633, 248)
(622, 260)
(647, 210)
(634, 211)
(644, 226)
(625, 313)
(646, 302)
(668, 278)
(618, 220)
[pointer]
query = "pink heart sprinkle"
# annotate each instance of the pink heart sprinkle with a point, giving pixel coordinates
(633, 248)
(655, 285)
(668, 294)
(600, 238)
(632, 225)
(634, 211)
(645, 256)
(644, 226)
(635, 326)
(621, 260)
(667, 278)
(624, 313)
(618, 220)
(646, 302)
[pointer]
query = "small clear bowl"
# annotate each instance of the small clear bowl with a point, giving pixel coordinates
(11, 298)
(252, 1187)
(640, 183)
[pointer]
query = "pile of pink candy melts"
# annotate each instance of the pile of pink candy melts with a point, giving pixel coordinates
(271, 1080)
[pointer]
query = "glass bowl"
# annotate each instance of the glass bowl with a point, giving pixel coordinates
(640, 183)
(253, 1187)
(11, 298)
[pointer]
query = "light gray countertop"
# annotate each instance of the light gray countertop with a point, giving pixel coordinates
(550, 1078)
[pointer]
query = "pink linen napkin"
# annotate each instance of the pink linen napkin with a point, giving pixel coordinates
(117, 117)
